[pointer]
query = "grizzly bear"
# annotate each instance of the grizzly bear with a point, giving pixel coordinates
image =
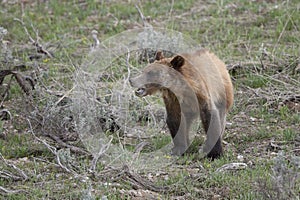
(193, 85)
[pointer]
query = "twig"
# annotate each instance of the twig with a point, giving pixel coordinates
(8, 175)
(39, 47)
(5, 113)
(128, 69)
(65, 95)
(135, 180)
(144, 20)
(171, 9)
(5, 93)
(7, 191)
(138, 182)
(63, 144)
(138, 150)
(247, 64)
(281, 33)
(52, 149)
(21, 80)
(99, 154)
(25, 177)
(128, 65)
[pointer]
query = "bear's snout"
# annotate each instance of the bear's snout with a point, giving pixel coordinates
(141, 90)
(132, 82)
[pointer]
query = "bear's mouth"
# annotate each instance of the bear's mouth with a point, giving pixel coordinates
(141, 92)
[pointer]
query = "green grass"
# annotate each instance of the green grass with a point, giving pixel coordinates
(237, 31)
(21, 145)
(161, 141)
(255, 81)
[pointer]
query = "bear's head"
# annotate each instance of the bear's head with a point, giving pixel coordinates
(158, 75)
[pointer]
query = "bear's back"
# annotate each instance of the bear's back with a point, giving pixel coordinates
(206, 68)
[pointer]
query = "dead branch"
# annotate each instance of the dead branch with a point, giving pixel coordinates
(141, 183)
(24, 82)
(53, 150)
(9, 176)
(247, 65)
(5, 113)
(136, 181)
(3, 74)
(35, 43)
(19, 171)
(65, 145)
(7, 191)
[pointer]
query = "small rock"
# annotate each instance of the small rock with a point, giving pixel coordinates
(232, 166)
(240, 158)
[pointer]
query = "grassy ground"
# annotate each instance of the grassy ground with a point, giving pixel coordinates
(258, 40)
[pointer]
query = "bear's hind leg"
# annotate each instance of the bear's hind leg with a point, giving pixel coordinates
(213, 127)
(217, 150)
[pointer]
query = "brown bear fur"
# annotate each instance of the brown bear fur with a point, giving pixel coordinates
(192, 85)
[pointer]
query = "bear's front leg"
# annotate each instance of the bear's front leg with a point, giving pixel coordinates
(178, 129)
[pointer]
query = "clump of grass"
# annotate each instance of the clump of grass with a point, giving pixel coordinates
(255, 80)
(284, 182)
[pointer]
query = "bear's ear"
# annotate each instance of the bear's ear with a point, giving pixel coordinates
(177, 62)
(159, 55)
